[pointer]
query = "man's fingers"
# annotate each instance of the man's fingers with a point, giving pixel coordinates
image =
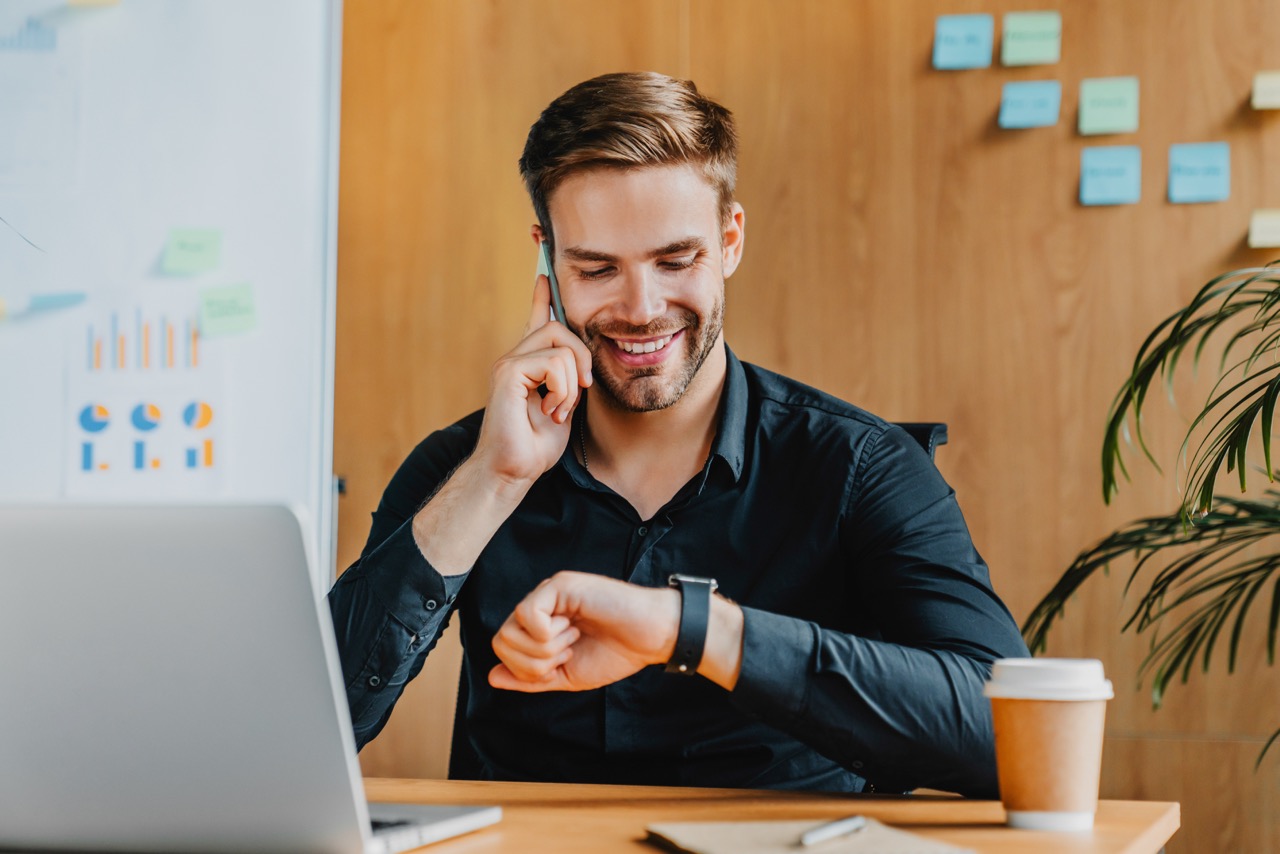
(537, 615)
(511, 638)
(540, 315)
(501, 677)
(530, 668)
(561, 382)
(556, 334)
(553, 368)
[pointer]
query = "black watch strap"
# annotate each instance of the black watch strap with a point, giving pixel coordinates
(695, 613)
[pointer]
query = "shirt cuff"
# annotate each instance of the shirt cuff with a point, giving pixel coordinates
(777, 660)
(406, 584)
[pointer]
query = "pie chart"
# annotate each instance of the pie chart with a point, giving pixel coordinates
(198, 414)
(94, 418)
(146, 416)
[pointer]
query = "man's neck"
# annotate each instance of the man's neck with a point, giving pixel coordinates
(647, 456)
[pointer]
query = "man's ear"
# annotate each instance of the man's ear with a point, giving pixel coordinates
(536, 232)
(731, 241)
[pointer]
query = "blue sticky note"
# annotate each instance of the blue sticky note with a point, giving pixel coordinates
(963, 41)
(1110, 175)
(1200, 172)
(1032, 104)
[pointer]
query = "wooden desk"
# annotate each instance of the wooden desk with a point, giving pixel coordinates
(560, 819)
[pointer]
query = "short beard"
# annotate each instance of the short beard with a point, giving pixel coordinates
(634, 391)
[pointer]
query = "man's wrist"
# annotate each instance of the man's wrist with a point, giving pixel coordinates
(505, 487)
(722, 658)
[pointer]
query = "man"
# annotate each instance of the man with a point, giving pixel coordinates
(623, 461)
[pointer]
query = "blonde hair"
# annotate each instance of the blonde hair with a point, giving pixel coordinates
(628, 121)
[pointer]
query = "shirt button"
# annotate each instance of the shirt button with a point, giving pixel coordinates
(375, 680)
(429, 604)
(643, 530)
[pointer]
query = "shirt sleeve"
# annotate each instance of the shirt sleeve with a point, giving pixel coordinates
(391, 606)
(903, 708)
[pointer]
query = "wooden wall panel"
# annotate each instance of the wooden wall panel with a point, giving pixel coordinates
(904, 253)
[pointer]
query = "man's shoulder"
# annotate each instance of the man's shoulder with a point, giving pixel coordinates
(773, 390)
(455, 441)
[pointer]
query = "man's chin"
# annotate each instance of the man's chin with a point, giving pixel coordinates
(638, 394)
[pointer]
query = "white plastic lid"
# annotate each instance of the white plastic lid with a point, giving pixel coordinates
(1049, 679)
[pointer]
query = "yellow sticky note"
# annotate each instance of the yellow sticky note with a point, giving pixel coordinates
(1264, 229)
(1266, 90)
(227, 310)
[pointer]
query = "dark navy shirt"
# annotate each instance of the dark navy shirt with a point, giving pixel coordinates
(870, 621)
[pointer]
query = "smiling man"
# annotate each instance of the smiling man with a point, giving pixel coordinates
(670, 566)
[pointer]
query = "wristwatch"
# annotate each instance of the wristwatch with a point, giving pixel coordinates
(695, 611)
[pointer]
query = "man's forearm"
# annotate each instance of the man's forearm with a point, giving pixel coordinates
(454, 527)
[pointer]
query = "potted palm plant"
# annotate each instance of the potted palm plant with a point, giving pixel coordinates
(1203, 568)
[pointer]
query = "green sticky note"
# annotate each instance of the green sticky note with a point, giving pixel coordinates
(192, 250)
(1031, 38)
(1109, 105)
(227, 310)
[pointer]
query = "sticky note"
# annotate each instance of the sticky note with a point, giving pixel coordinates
(1199, 172)
(1110, 175)
(1266, 90)
(1031, 38)
(1109, 105)
(192, 250)
(1030, 104)
(963, 41)
(227, 310)
(1264, 229)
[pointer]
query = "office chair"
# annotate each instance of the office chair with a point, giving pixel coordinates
(463, 762)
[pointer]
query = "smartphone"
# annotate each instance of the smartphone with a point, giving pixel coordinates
(557, 307)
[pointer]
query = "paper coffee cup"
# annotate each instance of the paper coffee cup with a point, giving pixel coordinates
(1049, 715)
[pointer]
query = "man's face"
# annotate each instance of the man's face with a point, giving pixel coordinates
(642, 256)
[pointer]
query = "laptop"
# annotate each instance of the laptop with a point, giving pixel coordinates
(169, 681)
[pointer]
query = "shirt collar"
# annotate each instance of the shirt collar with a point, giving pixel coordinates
(731, 431)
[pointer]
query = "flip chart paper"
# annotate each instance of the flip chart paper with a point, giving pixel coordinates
(1199, 172)
(192, 250)
(1109, 105)
(1031, 38)
(1030, 104)
(963, 41)
(1264, 229)
(1266, 90)
(1110, 175)
(227, 310)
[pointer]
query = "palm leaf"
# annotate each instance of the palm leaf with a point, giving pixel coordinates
(1254, 291)
(1199, 583)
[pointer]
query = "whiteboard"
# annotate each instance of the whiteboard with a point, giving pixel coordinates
(175, 163)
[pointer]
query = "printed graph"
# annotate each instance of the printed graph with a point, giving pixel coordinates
(137, 341)
(146, 403)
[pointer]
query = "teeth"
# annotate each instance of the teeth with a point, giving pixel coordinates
(646, 347)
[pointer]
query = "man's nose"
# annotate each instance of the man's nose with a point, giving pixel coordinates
(642, 298)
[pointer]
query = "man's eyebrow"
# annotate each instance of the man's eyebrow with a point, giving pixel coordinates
(676, 247)
(688, 244)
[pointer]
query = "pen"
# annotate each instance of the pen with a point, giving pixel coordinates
(832, 829)
(37, 303)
